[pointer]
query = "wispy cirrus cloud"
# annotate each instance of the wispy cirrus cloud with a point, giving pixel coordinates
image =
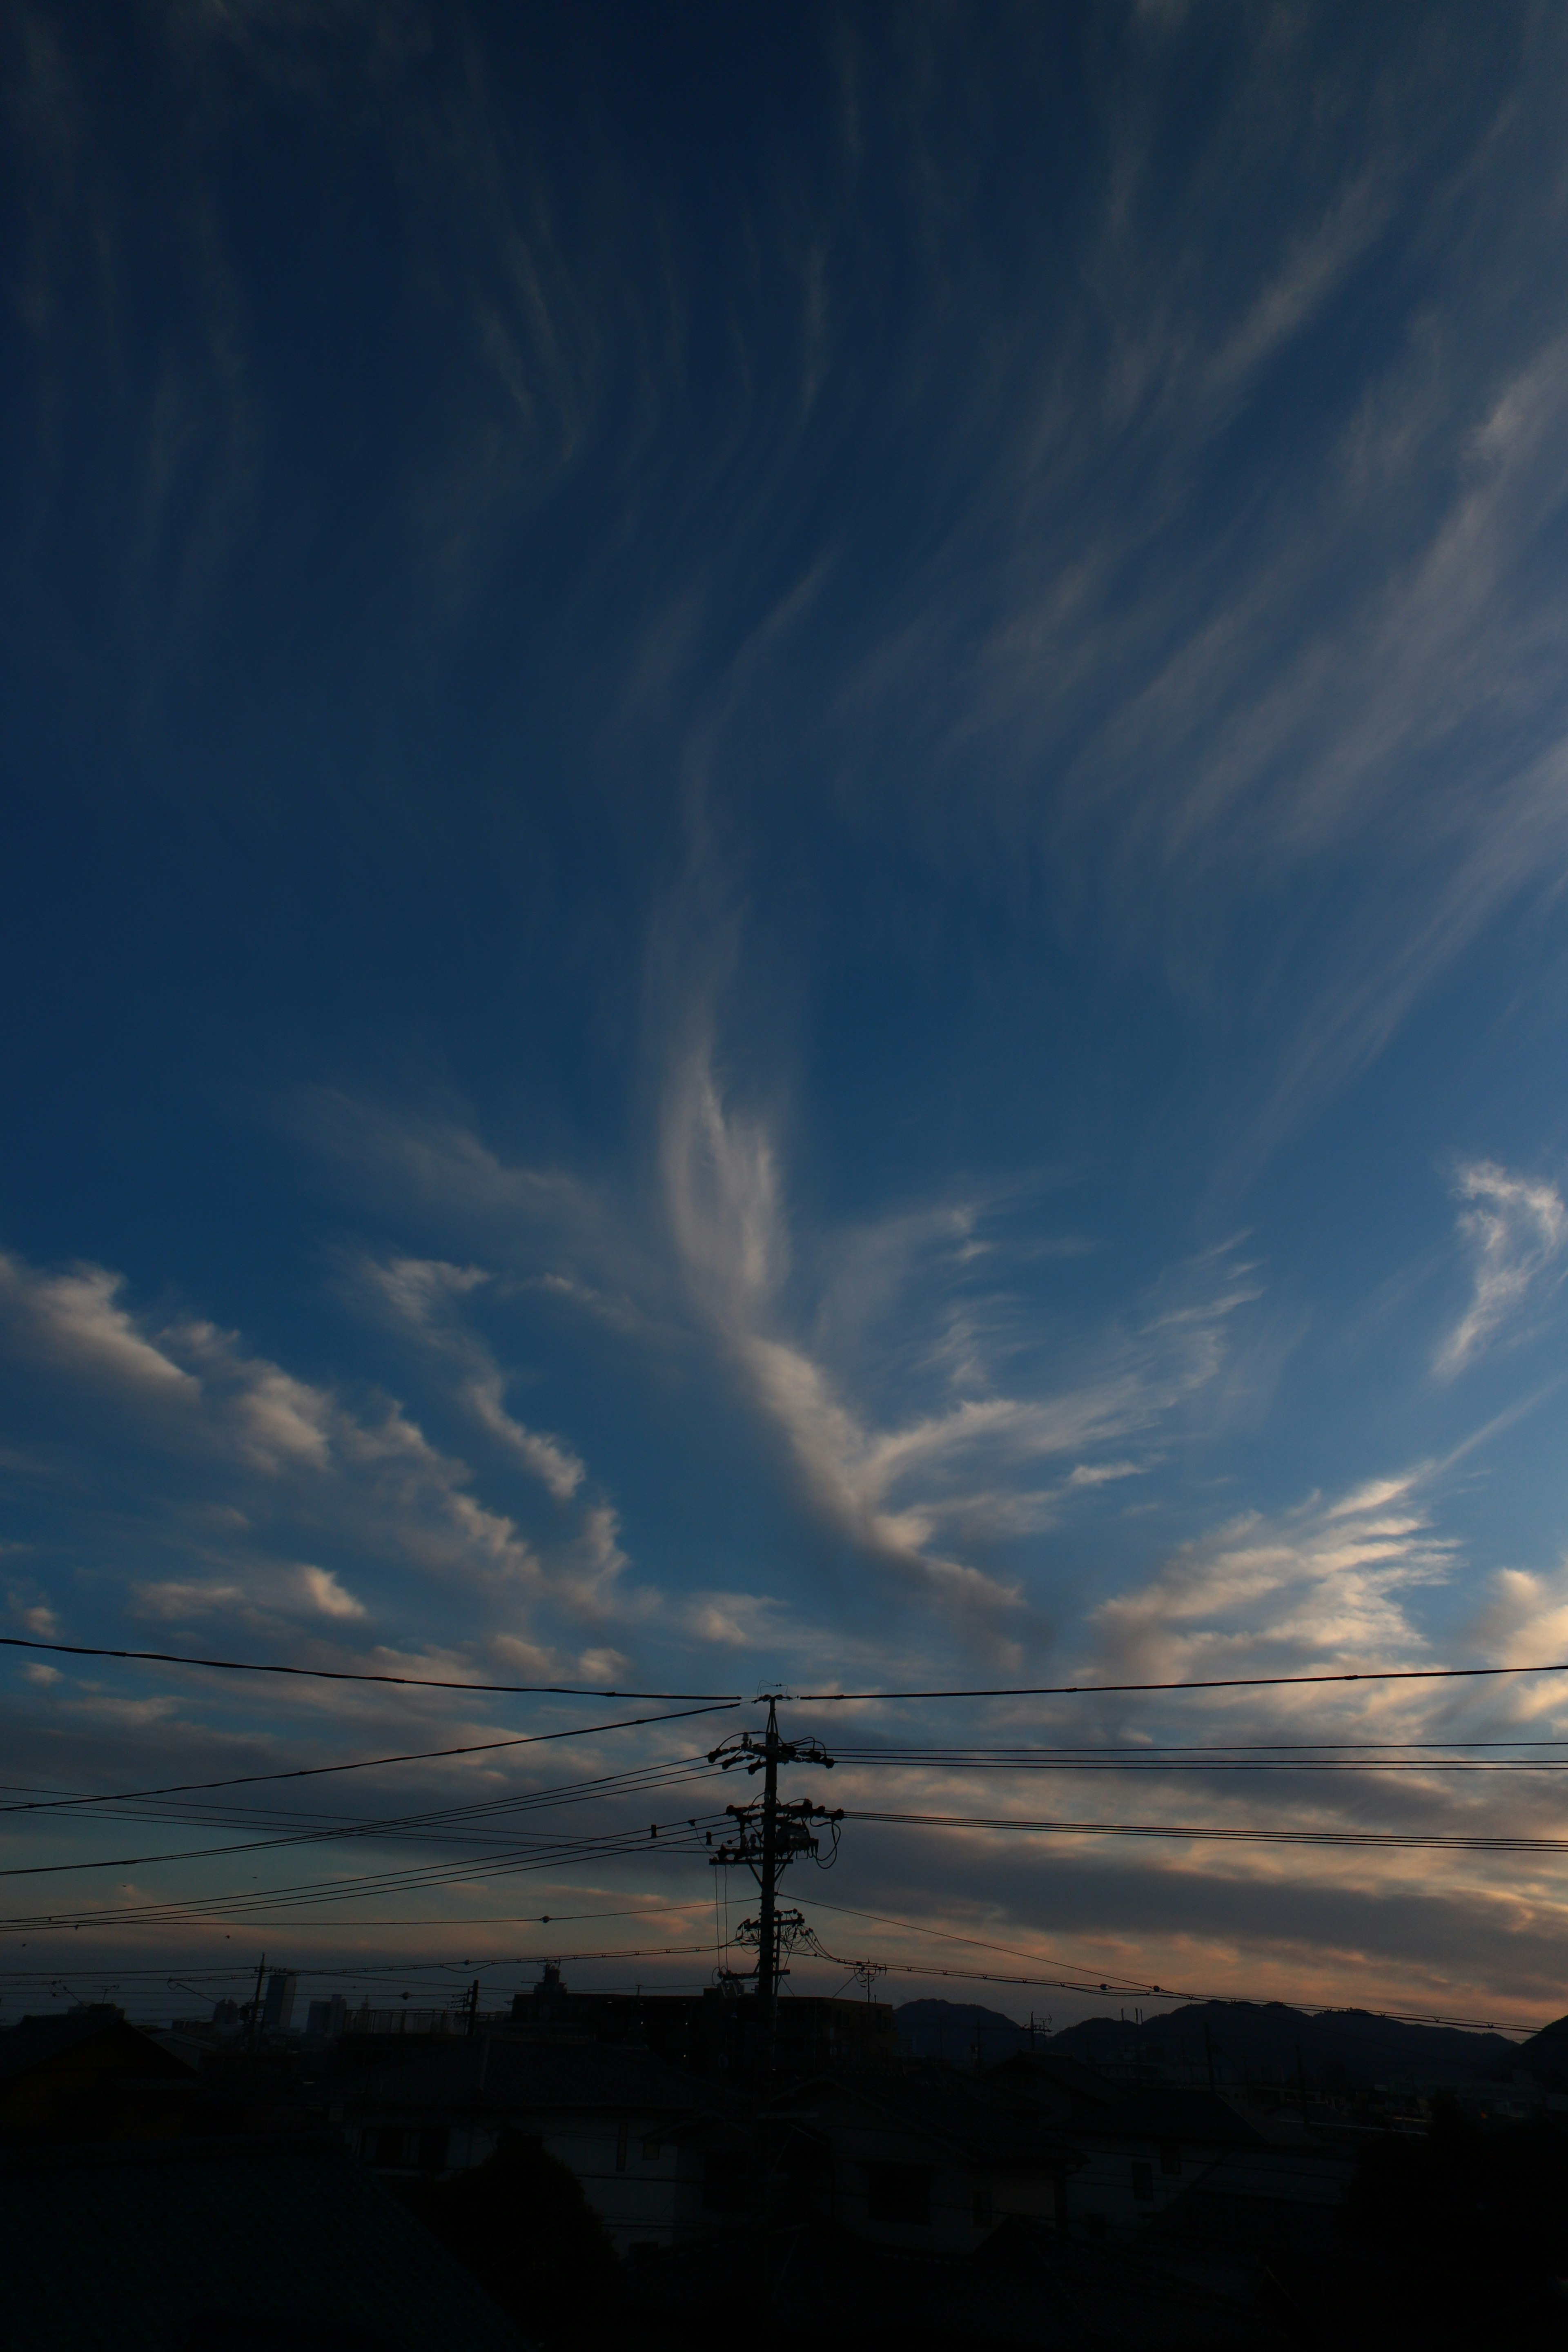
(207, 1480)
(897, 1493)
(1328, 1584)
(426, 1295)
(1515, 1230)
(915, 1389)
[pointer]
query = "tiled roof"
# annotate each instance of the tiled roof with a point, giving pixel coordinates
(148, 2245)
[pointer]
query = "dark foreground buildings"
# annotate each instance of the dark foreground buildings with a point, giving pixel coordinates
(659, 2171)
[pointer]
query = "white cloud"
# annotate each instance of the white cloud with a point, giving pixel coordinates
(598, 1564)
(425, 1294)
(1324, 1586)
(1523, 1620)
(602, 1665)
(175, 1597)
(525, 1657)
(323, 1593)
(440, 1166)
(734, 1621)
(279, 1421)
(721, 1185)
(890, 1491)
(1316, 262)
(1352, 702)
(1515, 1228)
(73, 1320)
(231, 1467)
(554, 1463)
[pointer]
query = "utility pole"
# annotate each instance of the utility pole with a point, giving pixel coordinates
(255, 2004)
(767, 1958)
(866, 1972)
(768, 1836)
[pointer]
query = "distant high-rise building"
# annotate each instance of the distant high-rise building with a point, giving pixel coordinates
(326, 2018)
(279, 2005)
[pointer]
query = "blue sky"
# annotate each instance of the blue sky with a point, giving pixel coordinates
(787, 795)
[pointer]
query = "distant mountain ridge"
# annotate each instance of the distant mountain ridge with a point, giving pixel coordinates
(951, 2029)
(1259, 2041)
(1545, 2057)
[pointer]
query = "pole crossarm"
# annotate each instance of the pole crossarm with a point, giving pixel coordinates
(768, 1836)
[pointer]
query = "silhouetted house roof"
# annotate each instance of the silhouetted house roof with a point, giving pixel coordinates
(1253, 2206)
(961, 2111)
(493, 2074)
(1160, 2111)
(1052, 2079)
(86, 2072)
(193, 2245)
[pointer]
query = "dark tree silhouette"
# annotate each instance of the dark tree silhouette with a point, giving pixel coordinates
(1471, 2228)
(521, 2224)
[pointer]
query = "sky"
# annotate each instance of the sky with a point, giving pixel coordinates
(782, 907)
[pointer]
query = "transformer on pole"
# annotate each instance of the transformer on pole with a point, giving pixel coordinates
(768, 1836)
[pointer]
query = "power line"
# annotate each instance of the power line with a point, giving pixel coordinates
(886, 1753)
(1442, 1841)
(343, 1674)
(1120, 1986)
(668, 1773)
(375, 1968)
(1111, 1983)
(637, 1782)
(57, 1803)
(1155, 1992)
(980, 1943)
(1166, 1761)
(824, 1698)
(1123, 1690)
(414, 1971)
(609, 1845)
(1352, 1756)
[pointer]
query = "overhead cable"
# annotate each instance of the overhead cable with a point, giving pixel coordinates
(343, 1674)
(648, 1778)
(1122, 1987)
(1227, 1682)
(360, 1763)
(665, 1838)
(886, 1752)
(1442, 1841)
(1168, 1760)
